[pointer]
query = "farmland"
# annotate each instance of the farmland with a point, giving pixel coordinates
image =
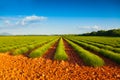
(59, 58)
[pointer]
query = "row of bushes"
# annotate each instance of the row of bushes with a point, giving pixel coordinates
(108, 54)
(88, 57)
(40, 51)
(11, 43)
(60, 53)
(27, 48)
(107, 47)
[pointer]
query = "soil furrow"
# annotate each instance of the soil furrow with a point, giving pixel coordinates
(50, 52)
(73, 56)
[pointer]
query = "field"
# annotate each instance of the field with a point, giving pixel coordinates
(59, 58)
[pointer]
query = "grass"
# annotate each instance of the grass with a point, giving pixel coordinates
(88, 57)
(60, 53)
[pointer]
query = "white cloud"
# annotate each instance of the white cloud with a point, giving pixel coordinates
(32, 19)
(22, 20)
(7, 22)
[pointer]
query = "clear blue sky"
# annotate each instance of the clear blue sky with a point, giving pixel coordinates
(58, 16)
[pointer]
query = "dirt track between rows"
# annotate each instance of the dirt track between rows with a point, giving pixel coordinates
(73, 56)
(49, 54)
(45, 68)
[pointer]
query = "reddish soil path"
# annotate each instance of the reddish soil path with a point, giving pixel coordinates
(73, 56)
(50, 52)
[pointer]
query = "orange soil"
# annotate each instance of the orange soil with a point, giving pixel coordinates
(24, 68)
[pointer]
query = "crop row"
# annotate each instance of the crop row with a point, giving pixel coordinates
(36, 47)
(107, 47)
(40, 51)
(111, 41)
(88, 57)
(100, 45)
(12, 43)
(25, 49)
(33, 46)
(108, 54)
(60, 53)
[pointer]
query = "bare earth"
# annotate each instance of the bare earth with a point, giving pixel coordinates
(45, 68)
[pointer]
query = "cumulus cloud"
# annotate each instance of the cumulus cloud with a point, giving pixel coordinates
(7, 22)
(22, 20)
(32, 19)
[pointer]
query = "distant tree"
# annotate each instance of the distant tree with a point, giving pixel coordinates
(86, 34)
(113, 32)
(101, 33)
(93, 33)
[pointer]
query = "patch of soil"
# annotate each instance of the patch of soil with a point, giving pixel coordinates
(24, 68)
(73, 56)
(50, 52)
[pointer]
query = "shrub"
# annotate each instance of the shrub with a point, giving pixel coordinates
(40, 51)
(20, 51)
(111, 55)
(60, 53)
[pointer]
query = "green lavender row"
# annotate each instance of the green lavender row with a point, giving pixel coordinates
(88, 57)
(108, 54)
(40, 51)
(60, 53)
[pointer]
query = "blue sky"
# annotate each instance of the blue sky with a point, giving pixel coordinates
(58, 16)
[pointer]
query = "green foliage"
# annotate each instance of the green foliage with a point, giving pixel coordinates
(3, 49)
(110, 55)
(40, 51)
(88, 57)
(113, 32)
(60, 53)
(11, 43)
(87, 46)
(31, 47)
(103, 50)
(117, 50)
(20, 51)
(99, 42)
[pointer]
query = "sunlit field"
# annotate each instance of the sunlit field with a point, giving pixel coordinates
(59, 57)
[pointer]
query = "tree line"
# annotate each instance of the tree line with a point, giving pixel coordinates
(112, 32)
